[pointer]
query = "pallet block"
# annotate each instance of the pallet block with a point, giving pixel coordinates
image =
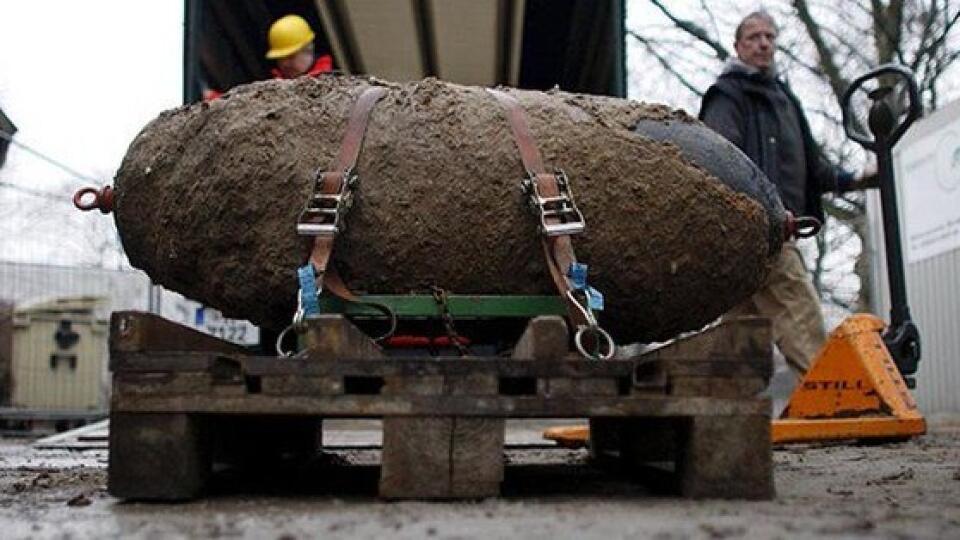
(441, 458)
(725, 457)
(712, 456)
(456, 457)
(157, 457)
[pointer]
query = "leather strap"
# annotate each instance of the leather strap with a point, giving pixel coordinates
(529, 152)
(558, 250)
(356, 128)
(333, 283)
(333, 181)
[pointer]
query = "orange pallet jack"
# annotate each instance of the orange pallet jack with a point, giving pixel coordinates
(858, 385)
(853, 391)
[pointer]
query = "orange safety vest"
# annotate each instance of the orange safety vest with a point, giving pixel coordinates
(324, 64)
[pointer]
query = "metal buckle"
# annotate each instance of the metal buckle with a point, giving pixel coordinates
(561, 206)
(324, 212)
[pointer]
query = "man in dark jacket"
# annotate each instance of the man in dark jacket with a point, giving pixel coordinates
(758, 113)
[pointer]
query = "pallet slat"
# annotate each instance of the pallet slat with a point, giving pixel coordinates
(363, 406)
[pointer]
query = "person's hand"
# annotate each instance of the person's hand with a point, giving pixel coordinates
(868, 177)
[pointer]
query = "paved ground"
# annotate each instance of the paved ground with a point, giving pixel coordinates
(906, 490)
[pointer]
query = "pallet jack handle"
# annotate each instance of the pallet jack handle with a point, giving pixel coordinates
(886, 87)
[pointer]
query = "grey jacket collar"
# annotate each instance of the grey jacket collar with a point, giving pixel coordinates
(736, 66)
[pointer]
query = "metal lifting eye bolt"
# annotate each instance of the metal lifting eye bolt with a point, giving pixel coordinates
(102, 199)
(800, 227)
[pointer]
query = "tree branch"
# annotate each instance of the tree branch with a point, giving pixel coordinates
(665, 63)
(694, 30)
(838, 83)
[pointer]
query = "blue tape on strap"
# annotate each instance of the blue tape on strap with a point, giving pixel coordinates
(594, 299)
(308, 290)
(578, 275)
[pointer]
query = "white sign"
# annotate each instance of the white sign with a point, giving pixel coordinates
(928, 179)
(208, 320)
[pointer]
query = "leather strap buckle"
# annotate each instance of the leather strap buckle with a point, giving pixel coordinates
(323, 215)
(551, 199)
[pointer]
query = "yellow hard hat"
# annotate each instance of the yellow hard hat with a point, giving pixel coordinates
(287, 35)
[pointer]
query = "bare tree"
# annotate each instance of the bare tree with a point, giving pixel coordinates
(822, 46)
(41, 225)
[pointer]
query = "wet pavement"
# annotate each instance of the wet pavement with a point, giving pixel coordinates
(897, 490)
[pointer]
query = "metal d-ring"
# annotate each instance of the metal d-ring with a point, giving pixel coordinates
(283, 333)
(598, 333)
(297, 325)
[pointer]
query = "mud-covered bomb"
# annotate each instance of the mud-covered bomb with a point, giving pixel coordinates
(680, 225)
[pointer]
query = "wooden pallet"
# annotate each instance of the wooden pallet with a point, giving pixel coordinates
(182, 400)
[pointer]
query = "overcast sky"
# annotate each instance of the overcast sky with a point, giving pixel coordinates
(79, 79)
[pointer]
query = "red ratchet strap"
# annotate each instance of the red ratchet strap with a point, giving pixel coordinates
(559, 219)
(323, 216)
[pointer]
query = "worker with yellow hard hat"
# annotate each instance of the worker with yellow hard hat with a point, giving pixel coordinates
(291, 47)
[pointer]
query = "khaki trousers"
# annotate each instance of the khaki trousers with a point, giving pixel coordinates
(790, 301)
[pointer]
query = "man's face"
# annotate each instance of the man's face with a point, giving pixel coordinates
(297, 63)
(757, 44)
